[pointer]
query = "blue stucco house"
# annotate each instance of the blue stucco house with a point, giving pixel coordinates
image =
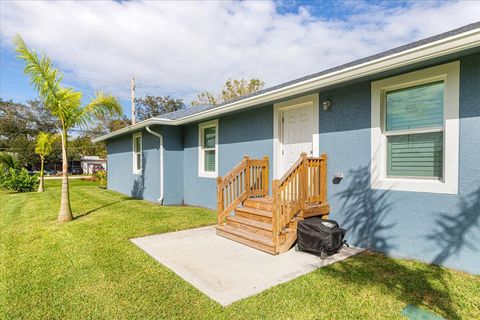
(401, 130)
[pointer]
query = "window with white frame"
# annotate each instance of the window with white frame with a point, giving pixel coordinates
(415, 131)
(208, 149)
(137, 153)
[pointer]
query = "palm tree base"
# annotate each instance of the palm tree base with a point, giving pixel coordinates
(64, 217)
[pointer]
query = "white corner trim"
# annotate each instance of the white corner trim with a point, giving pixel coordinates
(134, 159)
(278, 109)
(450, 74)
(201, 172)
(160, 137)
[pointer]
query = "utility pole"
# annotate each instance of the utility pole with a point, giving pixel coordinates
(132, 90)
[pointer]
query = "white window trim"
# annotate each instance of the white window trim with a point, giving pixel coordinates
(201, 160)
(450, 74)
(134, 158)
(278, 110)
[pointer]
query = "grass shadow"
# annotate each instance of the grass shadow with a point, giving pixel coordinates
(420, 285)
(365, 212)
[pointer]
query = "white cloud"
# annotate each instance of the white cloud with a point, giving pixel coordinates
(181, 48)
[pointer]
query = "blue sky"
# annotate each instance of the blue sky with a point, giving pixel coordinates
(180, 49)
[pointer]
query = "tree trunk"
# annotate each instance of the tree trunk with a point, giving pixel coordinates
(40, 186)
(65, 213)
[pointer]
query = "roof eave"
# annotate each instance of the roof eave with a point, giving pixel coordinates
(442, 47)
(132, 128)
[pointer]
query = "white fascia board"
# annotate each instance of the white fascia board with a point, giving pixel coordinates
(442, 47)
(132, 128)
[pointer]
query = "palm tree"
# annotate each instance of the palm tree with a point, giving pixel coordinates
(65, 104)
(43, 148)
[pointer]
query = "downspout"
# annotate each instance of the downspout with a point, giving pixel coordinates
(161, 161)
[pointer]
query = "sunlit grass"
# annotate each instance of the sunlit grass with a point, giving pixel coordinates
(88, 268)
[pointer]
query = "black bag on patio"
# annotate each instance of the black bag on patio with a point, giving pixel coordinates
(319, 236)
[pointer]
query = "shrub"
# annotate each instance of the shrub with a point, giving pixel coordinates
(18, 180)
(101, 177)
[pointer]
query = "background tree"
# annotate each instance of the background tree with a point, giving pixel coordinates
(108, 123)
(233, 89)
(20, 123)
(65, 106)
(43, 148)
(153, 106)
(8, 161)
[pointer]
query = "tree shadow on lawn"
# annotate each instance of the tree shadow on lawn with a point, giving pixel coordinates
(365, 212)
(421, 285)
(86, 213)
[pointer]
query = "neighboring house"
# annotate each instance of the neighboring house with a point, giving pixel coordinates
(91, 164)
(403, 127)
(56, 166)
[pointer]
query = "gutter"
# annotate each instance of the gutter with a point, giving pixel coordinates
(160, 200)
(431, 50)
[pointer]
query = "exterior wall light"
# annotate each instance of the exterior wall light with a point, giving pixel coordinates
(327, 105)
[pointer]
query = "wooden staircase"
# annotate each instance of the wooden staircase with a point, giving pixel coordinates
(249, 215)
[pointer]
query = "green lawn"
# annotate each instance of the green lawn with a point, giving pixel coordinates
(89, 269)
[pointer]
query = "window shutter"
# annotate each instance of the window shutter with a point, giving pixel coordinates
(416, 155)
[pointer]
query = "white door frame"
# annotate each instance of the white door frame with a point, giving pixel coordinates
(278, 110)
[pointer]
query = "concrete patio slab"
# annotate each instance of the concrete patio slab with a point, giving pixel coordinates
(225, 270)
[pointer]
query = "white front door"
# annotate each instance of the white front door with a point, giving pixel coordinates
(298, 128)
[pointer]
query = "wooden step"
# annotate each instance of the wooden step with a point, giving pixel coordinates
(254, 214)
(250, 239)
(316, 210)
(253, 226)
(264, 203)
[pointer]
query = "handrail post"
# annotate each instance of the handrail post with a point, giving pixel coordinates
(275, 211)
(247, 173)
(266, 178)
(220, 206)
(323, 178)
(303, 183)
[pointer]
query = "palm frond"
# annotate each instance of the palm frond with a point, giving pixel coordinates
(43, 76)
(102, 105)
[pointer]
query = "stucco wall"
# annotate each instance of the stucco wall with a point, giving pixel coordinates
(438, 228)
(120, 167)
(245, 133)
(147, 185)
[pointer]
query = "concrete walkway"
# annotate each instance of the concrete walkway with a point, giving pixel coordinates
(225, 270)
(69, 177)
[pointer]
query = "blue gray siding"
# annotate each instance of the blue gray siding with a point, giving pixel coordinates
(245, 133)
(147, 185)
(120, 167)
(438, 228)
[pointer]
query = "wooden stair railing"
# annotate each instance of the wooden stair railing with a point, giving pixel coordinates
(269, 223)
(247, 179)
(301, 187)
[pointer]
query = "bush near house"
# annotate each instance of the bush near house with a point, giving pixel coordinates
(101, 177)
